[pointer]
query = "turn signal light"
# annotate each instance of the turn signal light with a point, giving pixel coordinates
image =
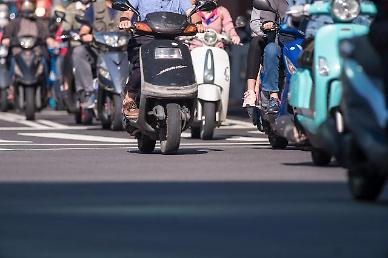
(191, 29)
(141, 26)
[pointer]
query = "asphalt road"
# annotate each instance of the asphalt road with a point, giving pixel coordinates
(75, 191)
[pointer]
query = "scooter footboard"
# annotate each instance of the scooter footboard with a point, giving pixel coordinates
(155, 91)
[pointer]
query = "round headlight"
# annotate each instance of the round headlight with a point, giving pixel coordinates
(123, 41)
(27, 42)
(346, 10)
(3, 51)
(110, 40)
(210, 38)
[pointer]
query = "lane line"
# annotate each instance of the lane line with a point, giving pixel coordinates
(247, 139)
(20, 120)
(131, 144)
(79, 137)
(68, 128)
(6, 141)
(53, 124)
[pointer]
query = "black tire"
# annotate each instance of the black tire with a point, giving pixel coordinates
(277, 142)
(30, 103)
(78, 117)
(170, 145)
(3, 100)
(117, 115)
(209, 124)
(87, 116)
(145, 144)
(105, 118)
(365, 185)
(320, 157)
(195, 132)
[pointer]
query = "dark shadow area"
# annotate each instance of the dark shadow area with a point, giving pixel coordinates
(175, 220)
(182, 151)
(333, 164)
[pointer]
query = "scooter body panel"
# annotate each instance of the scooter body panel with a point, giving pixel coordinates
(366, 113)
(29, 68)
(313, 107)
(116, 66)
(212, 70)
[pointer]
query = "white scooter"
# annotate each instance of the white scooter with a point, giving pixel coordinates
(212, 71)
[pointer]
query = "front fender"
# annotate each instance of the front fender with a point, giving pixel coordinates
(5, 78)
(116, 63)
(209, 92)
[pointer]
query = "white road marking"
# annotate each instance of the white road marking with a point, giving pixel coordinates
(13, 118)
(52, 124)
(79, 137)
(6, 141)
(68, 128)
(236, 124)
(247, 139)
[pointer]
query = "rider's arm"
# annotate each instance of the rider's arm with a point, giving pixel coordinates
(84, 32)
(8, 32)
(228, 25)
(125, 20)
(256, 22)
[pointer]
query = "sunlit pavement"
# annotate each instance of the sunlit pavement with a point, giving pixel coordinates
(75, 191)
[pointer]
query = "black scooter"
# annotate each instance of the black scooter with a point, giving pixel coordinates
(5, 79)
(29, 76)
(113, 69)
(169, 89)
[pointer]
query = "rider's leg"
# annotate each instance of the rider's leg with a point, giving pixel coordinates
(253, 67)
(83, 60)
(270, 82)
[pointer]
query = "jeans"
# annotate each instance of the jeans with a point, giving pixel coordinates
(83, 60)
(270, 74)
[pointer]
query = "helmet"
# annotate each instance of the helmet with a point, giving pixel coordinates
(4, 15)
(27, 7)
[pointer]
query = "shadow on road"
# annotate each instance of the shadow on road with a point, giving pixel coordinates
(255, 219)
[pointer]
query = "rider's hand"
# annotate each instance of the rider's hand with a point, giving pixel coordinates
(236, 40)
(268, 26)
(125, 25)
(6, 42)
(200, 28)
(87, 38)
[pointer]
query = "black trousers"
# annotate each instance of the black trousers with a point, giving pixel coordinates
(134, 83)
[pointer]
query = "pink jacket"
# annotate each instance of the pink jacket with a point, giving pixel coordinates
(221, 21)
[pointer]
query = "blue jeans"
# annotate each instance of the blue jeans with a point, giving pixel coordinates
(270, 74)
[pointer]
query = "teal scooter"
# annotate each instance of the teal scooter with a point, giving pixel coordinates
(315, 89)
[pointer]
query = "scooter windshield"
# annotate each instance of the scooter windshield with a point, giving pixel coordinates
(166, 23)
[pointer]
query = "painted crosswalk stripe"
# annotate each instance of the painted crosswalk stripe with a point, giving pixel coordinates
(13, 118)
(248, 139)
(79, 137)
(53, 124)
(7, 141)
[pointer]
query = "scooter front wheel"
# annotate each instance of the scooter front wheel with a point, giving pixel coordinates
(171, 138)
(117, 116)
(4, 100)
(277, 142)
(30, 103)
(208, 121)
(365, 185)
(87, 116)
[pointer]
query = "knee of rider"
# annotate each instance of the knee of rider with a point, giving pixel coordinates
(272, 50)
(78, 53)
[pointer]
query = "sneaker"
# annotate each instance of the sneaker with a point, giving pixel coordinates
(89, 101)
(249, 99)
(130, 109)
(273, 106)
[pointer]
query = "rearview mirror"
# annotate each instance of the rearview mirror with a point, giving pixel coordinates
(82, 20)
(207, 5)
(123, 6)
(263, 5)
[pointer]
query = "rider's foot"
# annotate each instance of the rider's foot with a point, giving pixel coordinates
(89, 101)
(273, 106)
(130, 109)
(249, 99)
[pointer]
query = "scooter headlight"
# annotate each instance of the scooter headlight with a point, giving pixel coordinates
(346, 10)
(3, 51)
(115, 40)
(210, 38)
(27, 42)
(104, 73)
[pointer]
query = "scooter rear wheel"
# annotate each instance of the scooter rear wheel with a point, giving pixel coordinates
(3, 100)
(365, 185)
(277, 142)
(145, 144)
(320, 157)
(87, 116)
(171, 140)
(30, 103)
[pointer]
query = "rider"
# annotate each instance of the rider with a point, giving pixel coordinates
(100, 18)
(264, 38)
(144, 7)
(4, 18)
(218, 20)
